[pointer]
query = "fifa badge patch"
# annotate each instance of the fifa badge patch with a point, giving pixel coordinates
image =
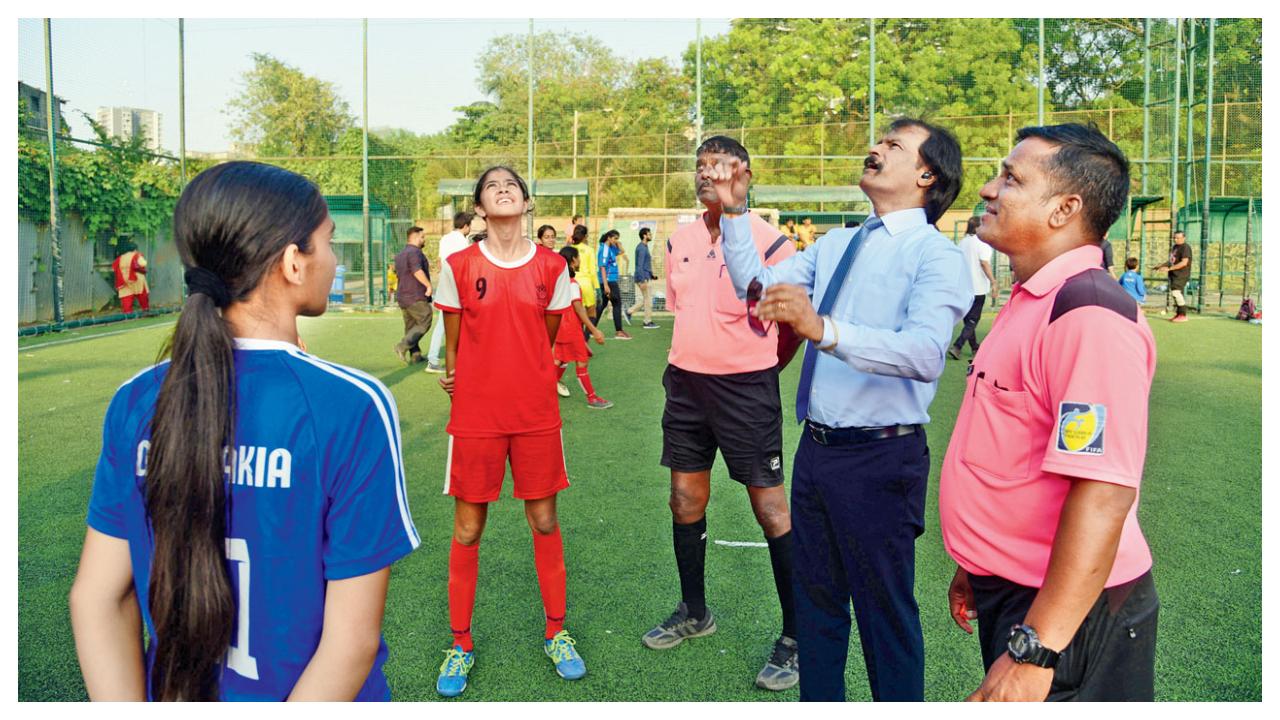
(1080, 428)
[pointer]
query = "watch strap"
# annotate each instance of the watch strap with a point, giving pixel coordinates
(1043, 657)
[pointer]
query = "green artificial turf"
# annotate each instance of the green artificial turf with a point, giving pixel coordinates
(1200, 511)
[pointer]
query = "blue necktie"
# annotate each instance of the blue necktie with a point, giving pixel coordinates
(828, 301)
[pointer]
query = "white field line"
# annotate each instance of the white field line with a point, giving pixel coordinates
(25, 348)
(739, 543)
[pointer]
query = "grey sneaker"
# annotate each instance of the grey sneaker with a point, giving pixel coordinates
(433, 368)
(562, 390)
(599, 403)
(651, 326)
(673, 631)
(782, 669)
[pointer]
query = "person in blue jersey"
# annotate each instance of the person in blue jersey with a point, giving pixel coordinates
(250, 497)
(610, 249)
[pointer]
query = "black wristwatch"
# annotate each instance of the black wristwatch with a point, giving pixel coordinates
(1025, 647)
(731, 210)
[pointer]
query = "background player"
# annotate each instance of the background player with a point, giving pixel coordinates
(570, 346)
(608, 252)
(502, 299)
(547, 237)
(252, 537)
(590, 276)
(450, 243)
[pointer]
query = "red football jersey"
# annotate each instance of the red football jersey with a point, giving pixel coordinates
(504, 379)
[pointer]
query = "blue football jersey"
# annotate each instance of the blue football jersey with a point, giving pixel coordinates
(316, 492)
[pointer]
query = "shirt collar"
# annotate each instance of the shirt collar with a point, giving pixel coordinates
(900, 221)
(244, 343)
(533, 250)
(1056, 271)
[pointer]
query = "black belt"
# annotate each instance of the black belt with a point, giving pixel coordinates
(824, 435)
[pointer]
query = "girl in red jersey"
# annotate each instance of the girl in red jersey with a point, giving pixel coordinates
(503, 299)
(570, 345)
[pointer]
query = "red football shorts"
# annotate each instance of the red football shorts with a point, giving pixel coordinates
(567, 352)
(476, 466)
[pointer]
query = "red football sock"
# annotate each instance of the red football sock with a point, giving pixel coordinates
(562, 369)
(584, 379)
(464, 566)
(548, 558)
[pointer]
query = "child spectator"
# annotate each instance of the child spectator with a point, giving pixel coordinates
(1131, 281)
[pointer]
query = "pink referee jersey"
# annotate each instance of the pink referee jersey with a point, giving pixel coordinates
(711, 334)
(1057, 391)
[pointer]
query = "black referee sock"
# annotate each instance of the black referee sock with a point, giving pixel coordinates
(691, 556)
(780, 557)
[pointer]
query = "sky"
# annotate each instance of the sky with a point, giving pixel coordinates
(419, 70)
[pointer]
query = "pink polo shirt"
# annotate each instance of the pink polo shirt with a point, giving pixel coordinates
(1057, 391)
(711, 334)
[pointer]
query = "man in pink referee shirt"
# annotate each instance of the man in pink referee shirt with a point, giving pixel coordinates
(722, 394)
(1039, 491)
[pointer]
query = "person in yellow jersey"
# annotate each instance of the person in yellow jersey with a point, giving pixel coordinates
(805, 233)
(587, 272)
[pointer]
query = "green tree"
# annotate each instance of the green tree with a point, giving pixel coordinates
(1090, 62)
(282, 111)
(643, 101)
(1238, 60)
(800, 87)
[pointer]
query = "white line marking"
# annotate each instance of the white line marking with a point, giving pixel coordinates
(738, 543)
(24, 348)
(363, 316)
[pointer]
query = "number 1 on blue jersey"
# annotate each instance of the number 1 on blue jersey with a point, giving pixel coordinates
(238, 657)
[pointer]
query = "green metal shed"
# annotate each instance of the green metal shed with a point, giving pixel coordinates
(542, 187)
(347, 212)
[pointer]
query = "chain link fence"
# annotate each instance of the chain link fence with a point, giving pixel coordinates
(330, 99)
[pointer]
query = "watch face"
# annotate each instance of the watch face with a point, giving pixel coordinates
(1019, 644)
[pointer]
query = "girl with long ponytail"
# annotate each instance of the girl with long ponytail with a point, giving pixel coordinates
(249, 498)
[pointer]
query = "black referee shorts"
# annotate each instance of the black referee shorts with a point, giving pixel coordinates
(740, 414)
(1113, 654)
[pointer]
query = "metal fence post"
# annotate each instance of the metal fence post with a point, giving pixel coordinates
(51, 123)
(697, 108)
(182, 103)
(364, 167)
(1208, 158)
(1226, 104)
(871, 83)
(574, 201)
(1189, 164)
(1146, 107)
(1040, 92)
(529, 131)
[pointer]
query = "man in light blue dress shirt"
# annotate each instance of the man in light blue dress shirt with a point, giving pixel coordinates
(878, 304)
